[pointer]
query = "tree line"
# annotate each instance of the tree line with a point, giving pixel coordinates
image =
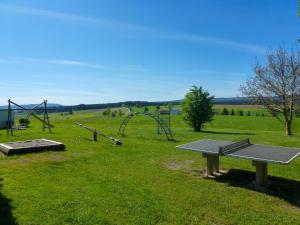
(238, 112)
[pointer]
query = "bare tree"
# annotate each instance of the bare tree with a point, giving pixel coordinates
(276, 85)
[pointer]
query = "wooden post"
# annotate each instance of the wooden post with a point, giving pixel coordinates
(95, 135)
(261, 173)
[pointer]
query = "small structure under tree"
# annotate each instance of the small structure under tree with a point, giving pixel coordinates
(197, 107)
(276, 85)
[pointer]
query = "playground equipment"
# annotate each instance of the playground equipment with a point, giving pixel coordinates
(164, 115)
(41, 106)
(162, 125)
(96, 133)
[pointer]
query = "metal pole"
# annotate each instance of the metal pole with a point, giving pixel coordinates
(46, 117)
(9, 122)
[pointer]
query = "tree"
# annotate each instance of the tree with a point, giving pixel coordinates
(225, 111)
(120, 112)
(241, 113)
(24, 121)
(197, 107)
(276, 85)
(232, 112)
(106, 112)
(113, 113)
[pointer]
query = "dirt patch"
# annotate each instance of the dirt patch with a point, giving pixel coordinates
(200, 173)
(178, 164)
(186, 167)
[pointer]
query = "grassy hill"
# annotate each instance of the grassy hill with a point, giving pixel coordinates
(147, 180)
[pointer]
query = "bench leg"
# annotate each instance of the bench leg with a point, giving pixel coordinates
(261, 173)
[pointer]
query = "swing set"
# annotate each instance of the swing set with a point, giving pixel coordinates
(42, 106)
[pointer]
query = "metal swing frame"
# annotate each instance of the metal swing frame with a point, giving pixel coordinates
(45, 120)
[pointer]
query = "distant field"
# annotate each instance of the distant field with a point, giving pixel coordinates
(147, 180)
(253, 110)
(240, 106)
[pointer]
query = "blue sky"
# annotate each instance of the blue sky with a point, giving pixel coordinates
(89, 51)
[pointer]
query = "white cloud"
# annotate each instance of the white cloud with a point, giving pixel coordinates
(113, 24)
(72, 17)
(49, 61)
(218, 41)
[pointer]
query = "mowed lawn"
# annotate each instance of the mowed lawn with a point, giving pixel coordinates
(147, 180)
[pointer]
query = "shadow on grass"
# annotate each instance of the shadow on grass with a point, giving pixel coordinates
(89, 139)
(221, 132)
(6, 216)
(278, 187)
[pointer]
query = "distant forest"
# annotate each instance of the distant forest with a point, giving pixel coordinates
(221, 101)
(52, 107)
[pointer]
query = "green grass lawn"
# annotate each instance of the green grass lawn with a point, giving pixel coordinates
(146, 180)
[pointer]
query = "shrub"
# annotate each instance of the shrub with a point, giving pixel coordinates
(197, 107)
(113, 113)
(224, 111)
(248, 113)
(24, 121)
(106, 112)
(120, 112)
(232, 112)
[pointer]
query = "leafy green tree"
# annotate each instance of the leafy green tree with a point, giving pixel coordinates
(120, 112)
(232, 112)
(197, 107)
(241, 113)
(106, 112)
(113, 113)
(248, 113)
(24, 121)
(225, 111)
